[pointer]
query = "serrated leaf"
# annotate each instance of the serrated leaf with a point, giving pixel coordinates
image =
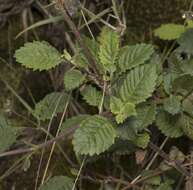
(53, 102)
(38, 56)
(167, 185)
(95, 135)
(73, 121)
(145, 116)
(8, 134)
(132, 56)
(172, 104)
(92, 96)
(122, 110)
(186, 124)
(142, 140)
(58, 183)
(169, 125)
(183, 84)
(169, 31)
(187, 104)
(186, 41)
(139, 84)
(109, 48)
(73, 79)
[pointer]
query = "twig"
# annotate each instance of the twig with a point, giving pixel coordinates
(40, 146)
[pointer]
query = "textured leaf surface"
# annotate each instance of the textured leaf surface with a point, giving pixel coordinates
(169, 31)
(73, 121)
(145, 116)
(169, 125)
(186, 41)
(58, 183)
(142, 140)
(139, 84)
(73, 79)
(109, 49)
(132, 56)
(54, 102)
(187, 126)
(38, 56)
(92, 96)
(95, 135)
(122, 110)
(8, 134)
(172, 105)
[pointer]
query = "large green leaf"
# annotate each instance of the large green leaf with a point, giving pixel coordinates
(92, 96)
(8, 134)
(95, 135)
(50, 105)
(169, 125)
(134, 55)
(169, 31)
(109, 49)
(122, 110)
(58, 183)
(139, 84)
(73, 79)
(38, 56)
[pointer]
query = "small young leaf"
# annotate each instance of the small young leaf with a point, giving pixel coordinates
(73, 79)
(92, 96)
(122, 110)
(142, 140)
(186, 124)
(8, 134)
(139, 84)
(135, 55)
(169, 31)
(169, 125)
(172, 104)
(109, 49)
(58, 183)
(95, 135)
(38, 56)
(54, 102)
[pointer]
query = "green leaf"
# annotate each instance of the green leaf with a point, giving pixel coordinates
(8, 134)
(186, 41)
(92, 96)
(187, 104)
(109, 49)
(58, 183)
(167, 185)
(145, 116)
(73, 79)
(122, 110)
(186, 124)
(95, 135)
(139, 84)
(135, 55)
(38, 56)
(142, 140)
(54, 102)
(172, 104)
(169, 31)
(73, 121)
(169, 125)
(183, 84)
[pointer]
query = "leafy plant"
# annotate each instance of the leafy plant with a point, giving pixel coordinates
(131, 89)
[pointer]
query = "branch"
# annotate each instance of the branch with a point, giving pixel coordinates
(40, 146)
